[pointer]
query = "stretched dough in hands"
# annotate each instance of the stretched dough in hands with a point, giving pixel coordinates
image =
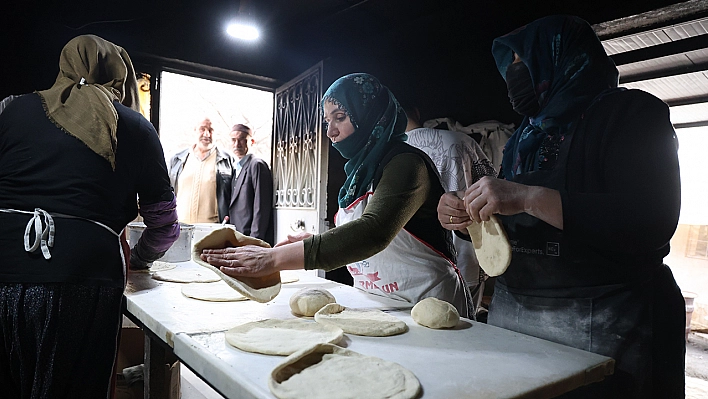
(328, 371)
(259, 289)
(491, 246)
(369, 322)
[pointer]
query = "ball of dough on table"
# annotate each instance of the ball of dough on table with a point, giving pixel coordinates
(307, 301)
(435, 313)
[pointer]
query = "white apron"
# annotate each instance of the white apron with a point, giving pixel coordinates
(408, 269)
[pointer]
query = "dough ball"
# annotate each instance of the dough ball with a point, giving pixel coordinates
(308, 301)
(434, 313)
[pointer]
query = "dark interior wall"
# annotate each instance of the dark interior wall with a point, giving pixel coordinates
(437, 52)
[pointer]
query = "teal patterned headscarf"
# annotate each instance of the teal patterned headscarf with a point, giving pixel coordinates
(569, 69)
(378, 120)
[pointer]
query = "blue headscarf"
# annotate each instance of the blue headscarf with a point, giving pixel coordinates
(569, 68)
(378, 120)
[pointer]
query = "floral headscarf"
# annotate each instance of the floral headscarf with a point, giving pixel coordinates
(93, 72)
(569, 68)
(378, 121)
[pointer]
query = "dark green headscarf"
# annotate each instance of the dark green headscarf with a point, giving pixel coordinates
(378, 120)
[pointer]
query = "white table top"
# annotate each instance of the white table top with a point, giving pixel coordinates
(473, 360)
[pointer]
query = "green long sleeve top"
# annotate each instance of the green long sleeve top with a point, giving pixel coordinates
(406, 196)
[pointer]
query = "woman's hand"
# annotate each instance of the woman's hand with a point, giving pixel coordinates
(451, 212)
(294, 238)
(490, 195)
(246, 261)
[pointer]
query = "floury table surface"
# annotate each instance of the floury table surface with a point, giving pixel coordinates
(473, 360)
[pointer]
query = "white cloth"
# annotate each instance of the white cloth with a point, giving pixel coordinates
(458, 158)
(406, 269)
(494, 135)
(461, 162)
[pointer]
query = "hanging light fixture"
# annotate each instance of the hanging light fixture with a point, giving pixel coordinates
(243, 31)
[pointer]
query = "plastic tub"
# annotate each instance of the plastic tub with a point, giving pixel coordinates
(180, 251)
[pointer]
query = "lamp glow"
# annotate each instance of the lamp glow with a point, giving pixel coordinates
(242, 31)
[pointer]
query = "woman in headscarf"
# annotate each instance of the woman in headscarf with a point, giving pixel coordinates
(73, 160)
(387, 232)
(589, 196)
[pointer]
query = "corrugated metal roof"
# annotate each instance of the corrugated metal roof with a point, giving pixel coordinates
(657, 36)
(676, 88)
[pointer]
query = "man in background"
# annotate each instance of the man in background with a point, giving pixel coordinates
(251, 209)
(201, 177)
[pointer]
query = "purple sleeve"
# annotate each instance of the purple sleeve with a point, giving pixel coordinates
(162, 227)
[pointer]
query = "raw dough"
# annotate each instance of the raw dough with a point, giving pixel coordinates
(491, 246)
(156, 266)
(260, 289)
(214, 292)
(288, 276)
(182, 275)
(307, 301)
(370, 322)
(281, 337)
(330, 372)
(435, 313)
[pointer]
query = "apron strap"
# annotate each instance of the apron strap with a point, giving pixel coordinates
(43, 236)
(44, 229)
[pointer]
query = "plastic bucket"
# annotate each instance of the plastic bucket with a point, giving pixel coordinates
(202, 229)
(180, 251)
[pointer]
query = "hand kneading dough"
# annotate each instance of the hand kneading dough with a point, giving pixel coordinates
(434, 313)
(308, 301)
(369, 322)
(214, 292)
(330, 372)
(491, 246)
(260, 289)
(281, 337)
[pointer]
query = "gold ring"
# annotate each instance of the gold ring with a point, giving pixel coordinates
(450, 219)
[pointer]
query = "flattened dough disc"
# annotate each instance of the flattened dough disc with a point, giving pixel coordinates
(182, 275)
(156, 266)
(281, 337)
(369, 322)
(260, 289)
(213, 292)
(491, 246)
(327, 371)
(288, 276)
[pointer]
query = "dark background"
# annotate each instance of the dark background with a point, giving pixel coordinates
(434, 53)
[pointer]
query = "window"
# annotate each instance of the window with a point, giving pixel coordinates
(697, 244)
